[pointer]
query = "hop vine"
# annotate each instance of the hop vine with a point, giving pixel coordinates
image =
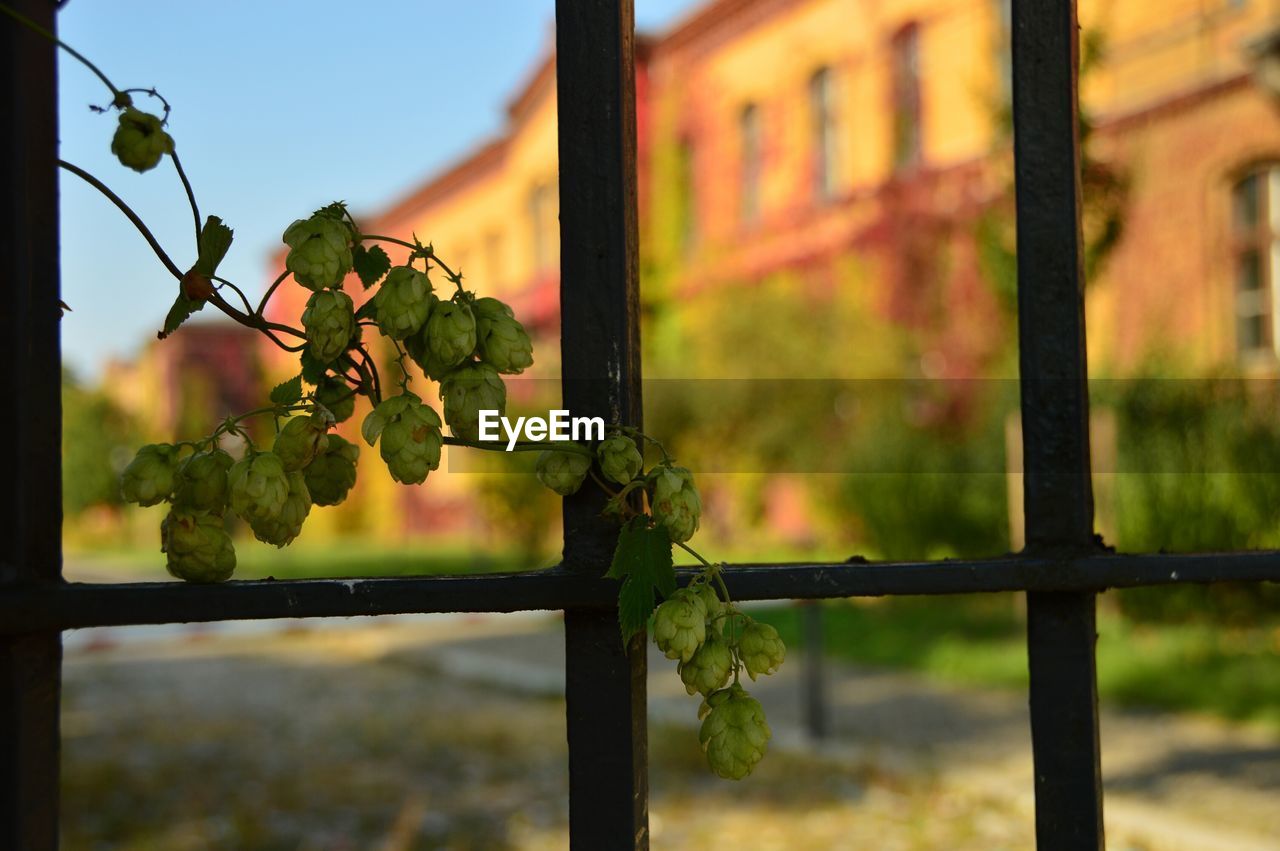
(464, 343)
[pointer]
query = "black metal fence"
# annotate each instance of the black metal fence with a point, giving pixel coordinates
(1061, 570)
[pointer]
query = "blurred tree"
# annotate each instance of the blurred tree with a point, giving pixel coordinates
(98, 440)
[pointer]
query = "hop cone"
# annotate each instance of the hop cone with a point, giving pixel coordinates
(140, 140)
(329, 320)
(416, 347)
(197, 547)
(761, 649)
(620, 460)
(202, 481)
(319, 251)
(468, 390)
(675, 502)
(151, 475)
(734, 732)
(408, 434)
(709, 667)
(450, 333)
(301, 439)
(680, 625)
(281, 528)
(563, 472)
(333, 472)
(402, 303)
(712, 603)
(501, 339)
(259, 487)
(338, 396)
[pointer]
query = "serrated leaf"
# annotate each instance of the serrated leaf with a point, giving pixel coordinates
(643, 562)
(287, 392)
(215, 240)
(312, 369)
(180, 312)
(370, 264)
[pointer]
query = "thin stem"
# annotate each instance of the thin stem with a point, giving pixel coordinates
(126, 209)
(34, 27)
(691, 551)
(186, 184)
(271, 290)
(248, 308)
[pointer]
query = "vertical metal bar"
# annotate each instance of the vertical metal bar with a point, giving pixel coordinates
(815, 678)
(1058, 497)
(31, 500)
(599, 309)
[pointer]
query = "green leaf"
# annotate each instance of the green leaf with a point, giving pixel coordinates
(181, 311)
(643, 562)
(370, 264)
(312, 370)
(368, 310)
(288, 392)
(215, 239)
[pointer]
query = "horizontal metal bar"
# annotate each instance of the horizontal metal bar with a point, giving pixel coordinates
(75, 605)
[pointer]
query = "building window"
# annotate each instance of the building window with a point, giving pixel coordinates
(687, 175)
(822, 112)
(749, 134)
(1255, 203)
(905, 48)
(544, 216)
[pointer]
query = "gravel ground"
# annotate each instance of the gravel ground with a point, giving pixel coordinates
(336, 740)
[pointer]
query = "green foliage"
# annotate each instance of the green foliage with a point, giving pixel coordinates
(215, 240)
(288, 392)
(98, 438)
(370, 263)
(642, 562)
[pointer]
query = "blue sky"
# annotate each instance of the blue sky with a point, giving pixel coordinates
(278, 108)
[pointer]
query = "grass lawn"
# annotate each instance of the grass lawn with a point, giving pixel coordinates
(1232, 672)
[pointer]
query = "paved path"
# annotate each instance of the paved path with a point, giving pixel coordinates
(1173, 782)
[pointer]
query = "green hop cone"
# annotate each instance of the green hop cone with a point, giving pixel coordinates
(502, 340)
(734, 732)
(338, 396)
(151, 476)
(416, 347)
(712, 603)
(330, 321)
(140, 141)
(197, 546)
(468, 390)
(202, 481)
(563, 472)
(676, 504)
(281, 528)
(333, 472)
(761, 649)
(680, 625)
(403, 302)
(319, 251)
(301, 439)
(450, 333)
(259, 486)
(408, 437)
(709, 667)
(620, 460)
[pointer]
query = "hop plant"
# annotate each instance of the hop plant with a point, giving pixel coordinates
(196, 546)
(761, 649)
(502, 340)
(140, 141)
(202, 481)
(680, 625)
(333, 472)
(329, 321)
(712, 603)
(676, 504)
(403, 302)
(319, 251)
(468, 390)
(338, 396)
(301, 439)
(734, 732)
(620, 460)
(450, 333)
(409, 438)
(151, 475)
(281, 528)
(259, 486)
(709, 667)
(563, 472)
